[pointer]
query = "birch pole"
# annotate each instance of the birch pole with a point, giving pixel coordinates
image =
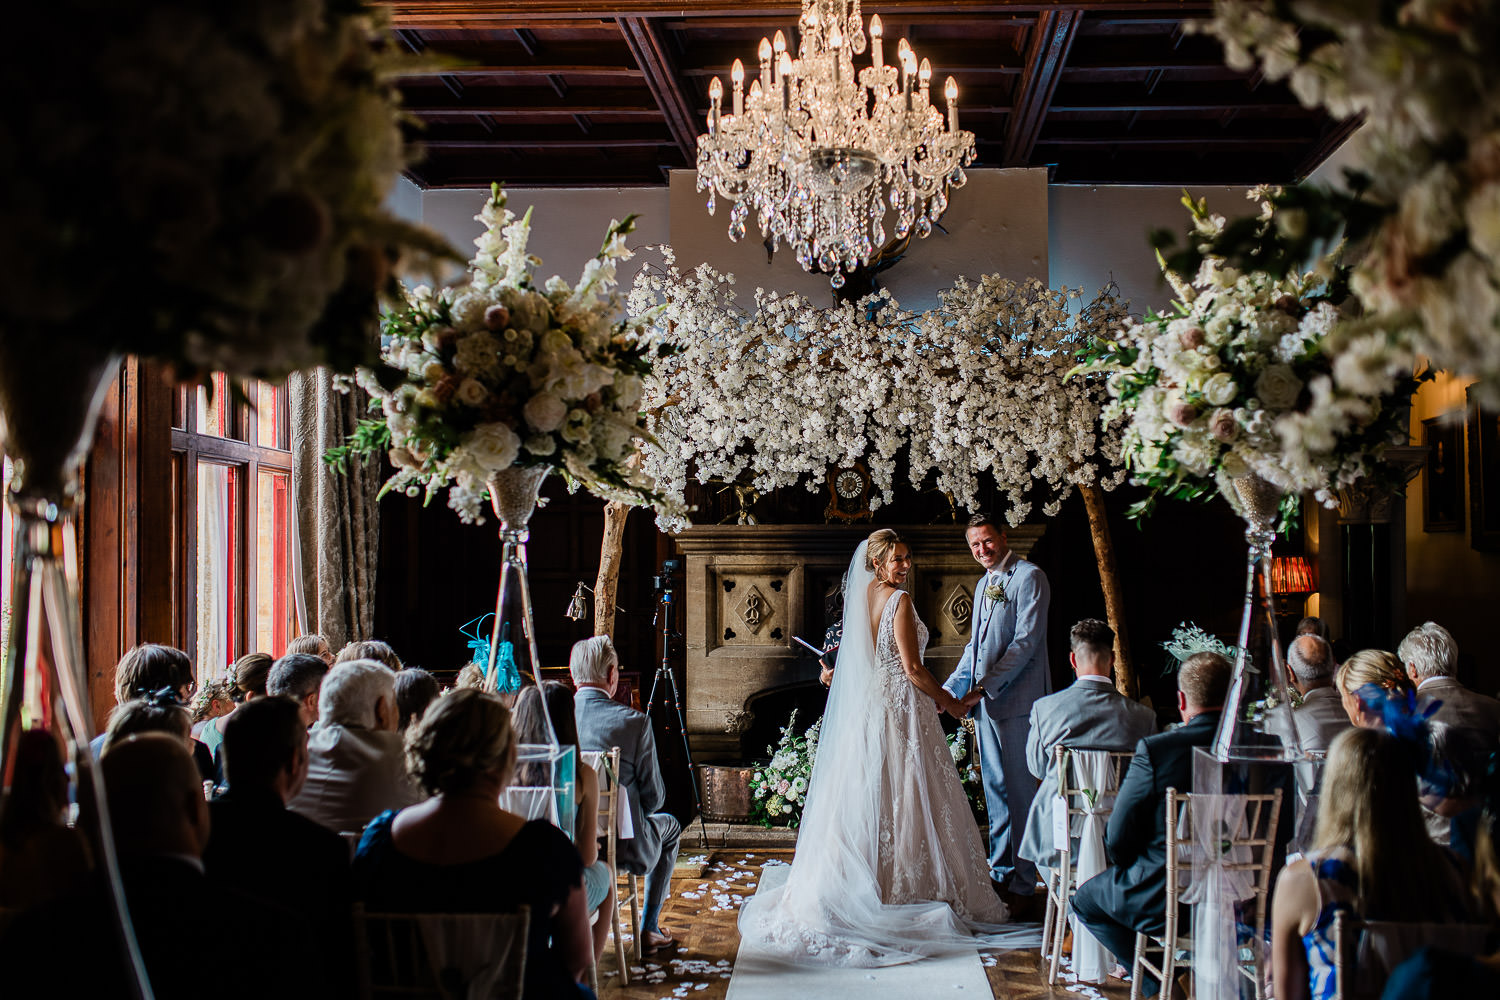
(1109, 580)
(607, 584)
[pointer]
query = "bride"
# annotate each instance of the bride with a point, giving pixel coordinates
(889, 865)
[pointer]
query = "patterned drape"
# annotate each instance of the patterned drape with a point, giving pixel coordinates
(338, 519)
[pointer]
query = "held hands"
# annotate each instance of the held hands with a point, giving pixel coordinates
(961, 707)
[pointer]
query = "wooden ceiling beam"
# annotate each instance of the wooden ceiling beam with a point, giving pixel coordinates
(542, 101)
(715, 60)
(648, 46)
(525, 69)
(1051, 40)
(455, 13)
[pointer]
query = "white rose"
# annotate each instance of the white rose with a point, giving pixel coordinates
(468, 310)
(1220, 389)
(1278, 387)
(493, 446)
(471, 392)
(545, 412)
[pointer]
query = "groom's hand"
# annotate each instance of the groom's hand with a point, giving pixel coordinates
(971, 699)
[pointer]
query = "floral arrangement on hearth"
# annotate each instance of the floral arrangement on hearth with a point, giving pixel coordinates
(205, 186)
(495, 374)
(1423, 205)
(1238, 381)
(778, 789)
(778, 393)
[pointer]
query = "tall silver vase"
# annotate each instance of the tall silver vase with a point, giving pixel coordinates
(1257, 722)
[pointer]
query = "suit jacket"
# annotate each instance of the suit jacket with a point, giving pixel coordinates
(1087, 714)
(1319, 719)
(604, 723)
(1461, 707)
(1007, 650)
(1137, 836)
(262, 849)
(353, 775)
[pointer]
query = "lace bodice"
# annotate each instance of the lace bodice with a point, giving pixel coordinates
(887, 656)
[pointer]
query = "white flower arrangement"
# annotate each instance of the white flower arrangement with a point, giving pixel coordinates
(495, 373)
(779, 789)
(1238, 380)
(207, 189)
(1426, 199)
(778, 393)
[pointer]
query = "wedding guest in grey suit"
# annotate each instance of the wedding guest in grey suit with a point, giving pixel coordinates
(1430, 657)
(1007, 657)
(1088, 714)
(604, 723)
(1321, 715)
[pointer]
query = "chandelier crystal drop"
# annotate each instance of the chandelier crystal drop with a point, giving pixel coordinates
(819, 149)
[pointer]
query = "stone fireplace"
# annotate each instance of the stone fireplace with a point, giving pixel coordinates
(750, 588)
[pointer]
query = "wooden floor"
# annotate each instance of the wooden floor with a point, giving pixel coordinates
(706, 895)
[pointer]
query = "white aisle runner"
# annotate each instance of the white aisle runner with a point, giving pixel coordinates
(757, 977)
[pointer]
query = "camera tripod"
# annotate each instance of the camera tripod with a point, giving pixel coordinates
(665, 605)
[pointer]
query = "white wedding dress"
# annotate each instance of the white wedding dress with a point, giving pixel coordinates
(889, 867)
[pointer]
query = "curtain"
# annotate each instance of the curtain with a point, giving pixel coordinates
(338, 527)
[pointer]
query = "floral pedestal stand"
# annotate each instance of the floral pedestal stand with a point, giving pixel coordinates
(513, 496)
(51, 391)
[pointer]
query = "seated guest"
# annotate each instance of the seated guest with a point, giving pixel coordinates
(1313, 625)
(415, 690)
(1370, 666)
(356, 768)
(158, 713)
(41, 857)
(604, 723)
(1369, 857)
(1089, 714)
(1131, 896)
(1430, 657)
(160, 825)
(371, 649)
(147, 669)
(313, 645)
(531, 727)
(471, 676)
(1321, 716)
(213, 700)
(299, 676)
(250, 674)
(263, 849)
(459, 852)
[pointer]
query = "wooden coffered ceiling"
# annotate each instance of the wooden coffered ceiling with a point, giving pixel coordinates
(578, 94)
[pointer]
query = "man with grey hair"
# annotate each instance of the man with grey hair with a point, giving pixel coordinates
(604, 723)
(1430, 657)
(1320, 716)
(356, 765)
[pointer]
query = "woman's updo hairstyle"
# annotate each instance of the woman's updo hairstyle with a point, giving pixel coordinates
(878, 547)
(250, 673)
(464, 734)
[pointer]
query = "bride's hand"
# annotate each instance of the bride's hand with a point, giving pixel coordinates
(971, 699)
(952, 706)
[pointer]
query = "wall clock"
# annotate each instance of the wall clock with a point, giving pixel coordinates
(849, 493)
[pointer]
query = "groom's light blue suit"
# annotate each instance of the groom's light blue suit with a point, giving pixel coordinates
(1007, 656)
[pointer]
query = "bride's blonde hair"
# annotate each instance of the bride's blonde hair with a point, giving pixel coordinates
(878, 547)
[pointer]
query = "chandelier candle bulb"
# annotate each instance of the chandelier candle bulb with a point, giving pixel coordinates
(765, 63)
(715, 95)
(877, 53)
(925, 75)
(950, 91)
(737, 74)
(786, 82)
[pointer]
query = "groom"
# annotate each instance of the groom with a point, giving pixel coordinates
(1007, 658)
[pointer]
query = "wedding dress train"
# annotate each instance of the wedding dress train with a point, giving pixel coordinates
(889, 867)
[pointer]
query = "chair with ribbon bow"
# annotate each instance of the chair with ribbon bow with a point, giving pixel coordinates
(1367, 951)
(1219, 852)
(1087, 782)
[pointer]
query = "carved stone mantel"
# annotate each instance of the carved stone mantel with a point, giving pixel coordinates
(750, 588)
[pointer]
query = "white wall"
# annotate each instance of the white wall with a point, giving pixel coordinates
(567, 224)
(1099, 234)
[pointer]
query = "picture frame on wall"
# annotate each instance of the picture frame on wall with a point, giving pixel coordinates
(1443, 485)
(1484, 476)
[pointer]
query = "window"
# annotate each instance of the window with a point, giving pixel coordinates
(234, 533)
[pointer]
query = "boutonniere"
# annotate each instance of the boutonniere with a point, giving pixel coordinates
(995, 594)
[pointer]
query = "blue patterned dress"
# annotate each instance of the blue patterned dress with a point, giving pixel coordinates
(1338, 889)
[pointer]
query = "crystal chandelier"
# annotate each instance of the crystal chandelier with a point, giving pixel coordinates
(819, 149)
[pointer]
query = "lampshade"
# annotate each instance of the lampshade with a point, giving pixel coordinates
(1292, 576)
